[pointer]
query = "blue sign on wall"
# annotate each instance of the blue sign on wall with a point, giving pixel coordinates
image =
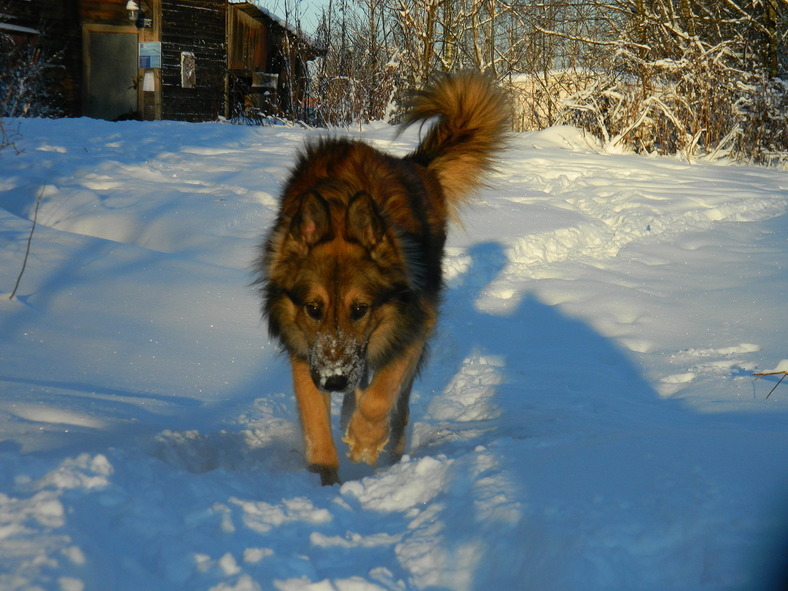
(150, 55)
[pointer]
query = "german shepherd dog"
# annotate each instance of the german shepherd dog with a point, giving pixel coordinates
(350, 273)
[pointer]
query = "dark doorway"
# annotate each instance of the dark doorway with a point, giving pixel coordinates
(110, 73)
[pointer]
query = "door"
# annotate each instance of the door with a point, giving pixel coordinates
(111, 78)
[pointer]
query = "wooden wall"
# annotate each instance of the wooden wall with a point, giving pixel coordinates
(103, 12)
(196, 26)
(248, 42)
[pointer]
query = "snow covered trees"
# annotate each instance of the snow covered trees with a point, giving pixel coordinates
(689, 76)
(355, 80)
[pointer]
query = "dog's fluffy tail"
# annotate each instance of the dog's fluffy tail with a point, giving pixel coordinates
(472, 123)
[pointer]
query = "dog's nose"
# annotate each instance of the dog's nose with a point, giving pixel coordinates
(335, 383)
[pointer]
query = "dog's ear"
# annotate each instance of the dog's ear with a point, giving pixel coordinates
(312, 223)
(363, 222)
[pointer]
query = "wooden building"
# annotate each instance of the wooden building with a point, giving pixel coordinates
(155, 59)
(267, 64)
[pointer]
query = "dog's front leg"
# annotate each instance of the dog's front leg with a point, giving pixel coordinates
(368, 429)
(314, 408)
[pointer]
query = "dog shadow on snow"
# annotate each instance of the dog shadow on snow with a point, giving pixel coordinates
(521, 373)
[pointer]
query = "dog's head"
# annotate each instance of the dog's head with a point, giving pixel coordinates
(335, 285)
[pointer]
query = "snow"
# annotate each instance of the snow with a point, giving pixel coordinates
(588, 418)
(782, 367)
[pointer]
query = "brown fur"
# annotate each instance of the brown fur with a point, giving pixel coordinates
(350, 274)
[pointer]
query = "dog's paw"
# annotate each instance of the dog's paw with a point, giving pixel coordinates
(328, 474)
(366, 439)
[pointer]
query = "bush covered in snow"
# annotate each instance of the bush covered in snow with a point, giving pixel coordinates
(688, 81)
(26, 88)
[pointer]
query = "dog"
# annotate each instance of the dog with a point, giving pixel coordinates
(350, 273)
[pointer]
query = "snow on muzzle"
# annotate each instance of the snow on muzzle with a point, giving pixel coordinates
(337, 363)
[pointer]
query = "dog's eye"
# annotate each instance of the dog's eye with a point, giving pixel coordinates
(358, 311)
(313, 311)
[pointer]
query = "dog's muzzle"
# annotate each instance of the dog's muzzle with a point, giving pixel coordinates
(336, 365)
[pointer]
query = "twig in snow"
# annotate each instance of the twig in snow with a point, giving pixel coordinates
(29, 241)
(772, 373)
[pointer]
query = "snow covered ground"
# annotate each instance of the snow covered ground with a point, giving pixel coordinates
(588, 420)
